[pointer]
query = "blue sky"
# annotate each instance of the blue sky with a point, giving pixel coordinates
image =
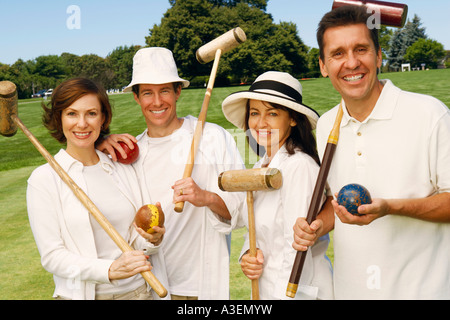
(34, 28)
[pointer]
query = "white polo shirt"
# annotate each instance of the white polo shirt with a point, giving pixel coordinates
(402, 150)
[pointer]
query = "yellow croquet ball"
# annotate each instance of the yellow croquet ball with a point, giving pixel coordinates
(149, 216)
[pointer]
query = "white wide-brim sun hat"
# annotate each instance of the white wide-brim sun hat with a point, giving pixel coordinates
(154, 66)
(274, 87)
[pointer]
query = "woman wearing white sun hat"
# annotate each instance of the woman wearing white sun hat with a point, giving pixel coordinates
(275, 118)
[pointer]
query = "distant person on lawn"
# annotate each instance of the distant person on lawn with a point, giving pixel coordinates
(396, 144)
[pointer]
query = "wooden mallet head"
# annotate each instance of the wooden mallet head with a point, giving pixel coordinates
(8, 108)
(391, 14)
(250, 180)
(226, 42)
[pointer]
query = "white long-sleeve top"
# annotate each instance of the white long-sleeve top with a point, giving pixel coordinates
(63, 229)
(275, 214)
(195, 245)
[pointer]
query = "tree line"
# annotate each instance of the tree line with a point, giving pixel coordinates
(46, 72)
(189, 24)
(412, 45)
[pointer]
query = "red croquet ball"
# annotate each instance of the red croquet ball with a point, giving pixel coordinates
(132, 154)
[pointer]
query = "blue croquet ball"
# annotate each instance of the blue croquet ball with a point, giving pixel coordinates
(352, 196)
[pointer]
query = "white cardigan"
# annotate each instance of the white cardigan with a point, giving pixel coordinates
(62, 230)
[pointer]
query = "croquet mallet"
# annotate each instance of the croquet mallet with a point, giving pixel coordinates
(206, 53)
(249, 180)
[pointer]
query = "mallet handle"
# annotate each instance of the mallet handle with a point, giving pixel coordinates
(90, 206)
(252, 240)
(179, 206)
(316, 200)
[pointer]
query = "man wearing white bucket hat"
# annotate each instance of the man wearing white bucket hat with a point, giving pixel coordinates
(274, 116)
(195, 244)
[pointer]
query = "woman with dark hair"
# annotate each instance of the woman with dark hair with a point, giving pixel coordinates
(277, 121)
(84, 261)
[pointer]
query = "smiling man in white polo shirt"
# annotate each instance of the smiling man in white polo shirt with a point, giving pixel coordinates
(396, 144)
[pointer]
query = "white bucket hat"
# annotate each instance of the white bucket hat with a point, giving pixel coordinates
(274, 87)
(154, 66)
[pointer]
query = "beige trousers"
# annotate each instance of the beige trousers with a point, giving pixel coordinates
(176, 297)
(140, 293)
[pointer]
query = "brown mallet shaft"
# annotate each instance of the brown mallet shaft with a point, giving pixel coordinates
(316, 201)
(251, 180)
(216, 48)
(78, 192)
(391, 14)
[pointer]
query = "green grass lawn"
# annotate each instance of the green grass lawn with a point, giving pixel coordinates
(21, 274)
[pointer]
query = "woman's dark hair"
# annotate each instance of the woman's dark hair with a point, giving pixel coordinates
(345, 16)
(301, 136)
(64, 96)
